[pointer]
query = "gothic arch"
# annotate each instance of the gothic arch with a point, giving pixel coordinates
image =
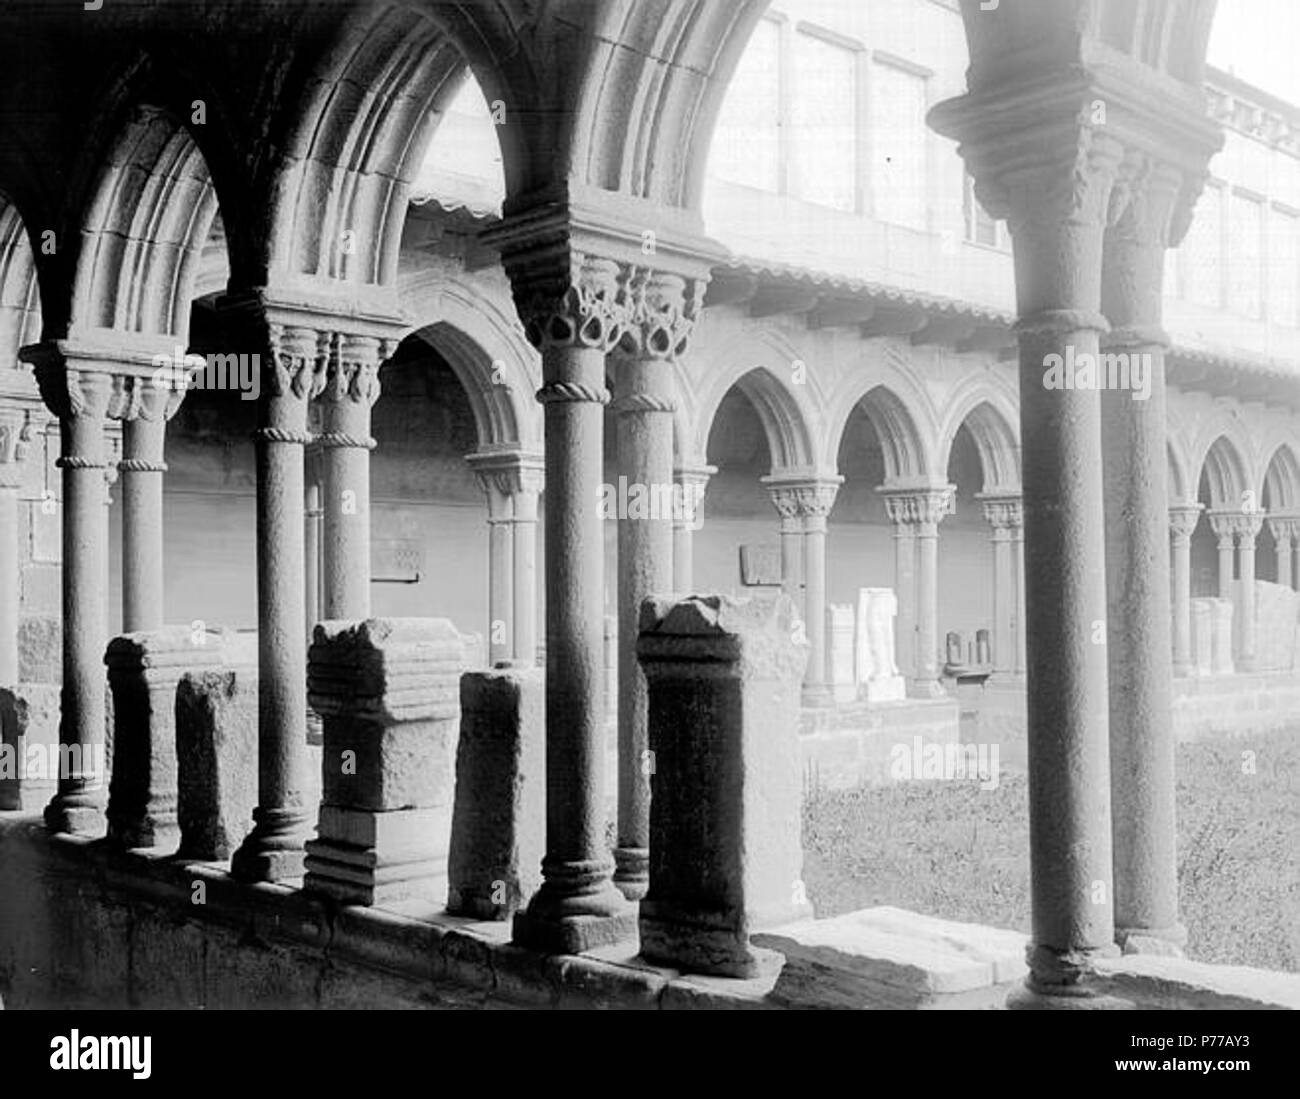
(899, 412)
(1281, 481)
(20, 306)
(1227, 472)
(758, 369)
(1180, 489)
(989, 417)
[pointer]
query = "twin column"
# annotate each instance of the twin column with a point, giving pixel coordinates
(916, 515)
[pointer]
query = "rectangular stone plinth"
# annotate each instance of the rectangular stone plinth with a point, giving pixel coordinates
(216, 755)
(726, 854)
(499, 821)
(387, 691)
(144, 672)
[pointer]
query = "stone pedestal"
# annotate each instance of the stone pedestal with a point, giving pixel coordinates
(144, 671)
(216, 756)
(840, 640)
(388, 692)
(726, 856)
(876, 671)
(499, 819)
(29, 739)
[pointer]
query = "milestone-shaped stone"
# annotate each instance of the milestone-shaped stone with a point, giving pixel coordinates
(726, 854)
(498, 823)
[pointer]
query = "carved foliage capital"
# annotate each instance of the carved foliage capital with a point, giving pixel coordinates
(1182, 520)
(589, 307)
(299, 360)
(1005, 513)
(920, 507)
(804, 500)
(663, 309)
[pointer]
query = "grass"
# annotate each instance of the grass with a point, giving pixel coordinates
(953, 850)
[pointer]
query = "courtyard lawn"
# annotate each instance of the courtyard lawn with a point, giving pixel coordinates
(951, 849)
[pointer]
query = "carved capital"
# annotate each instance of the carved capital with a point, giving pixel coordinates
(1284, 528)
(298, 362)
(662, 311)
(924, 508)
(1005, 514)
(1145, 200)
(587, 307)
(352, 373)
(1241, 525)
(17, 429)
(1182, 521)
(505, 478)
(804, 500)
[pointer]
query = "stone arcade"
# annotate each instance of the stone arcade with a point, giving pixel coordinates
(296, 569)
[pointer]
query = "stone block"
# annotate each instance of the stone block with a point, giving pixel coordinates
(726, 854)
(29, 738)
(216, 755)
(144, 671)
(1221, 636)
(839, 652)
(1202, 637)
(387, 691)
(40, 649)
(499, 820)
(890, 958)
(1277, 609)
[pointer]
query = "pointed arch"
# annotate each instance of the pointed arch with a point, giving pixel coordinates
(759, 368)
(20, 305)
(989, 415)
(899, 412)
(1226, 470)
(1281, 485)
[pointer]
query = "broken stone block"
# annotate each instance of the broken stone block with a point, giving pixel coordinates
(498, 826)
(216, 755)
(29, 739)
(388, 691)
(144, 671)
(726, 854)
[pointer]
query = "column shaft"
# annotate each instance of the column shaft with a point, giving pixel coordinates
(926, 683)
(1246, 608)
(815, 690)
(905, 589)
(142, 471)
(1003, 599)
(10, 595)
(524, 534)
(501, 606)
(643, 407)
(273, 850)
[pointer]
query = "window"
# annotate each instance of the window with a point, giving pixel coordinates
(747, 145)
(824, 123)
(899, 143)
(1284, 268)
(1203, 251)
(980, 227)
(1246, 268)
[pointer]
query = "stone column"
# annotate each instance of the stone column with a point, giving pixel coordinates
(15, 437)
(1018, 572)
(792, 541)
(1050, 174)
(1004, 516)
(904, 585)
(1284, 529)
(1248, 526)
(350, 391)
(311, 553)
(79, 397)
(1183, 518)
(664, 308)
(1224, 526)
(808, 503)
(691, 483)
(293, 373)
(500, 569)
(922, 510)
(144, 406)
(1139, 614)
(574, 316)
(529, 479)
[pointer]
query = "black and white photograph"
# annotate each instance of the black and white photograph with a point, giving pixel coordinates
(678, 505)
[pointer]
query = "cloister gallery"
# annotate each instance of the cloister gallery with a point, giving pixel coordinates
(327, 548)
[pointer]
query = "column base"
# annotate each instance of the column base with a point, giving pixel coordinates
(1032, 996)
(152, 832)
(713, 951)
(76, 815)
(274, 850)
(1163, 941)
(632, 871)
(560, 920)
